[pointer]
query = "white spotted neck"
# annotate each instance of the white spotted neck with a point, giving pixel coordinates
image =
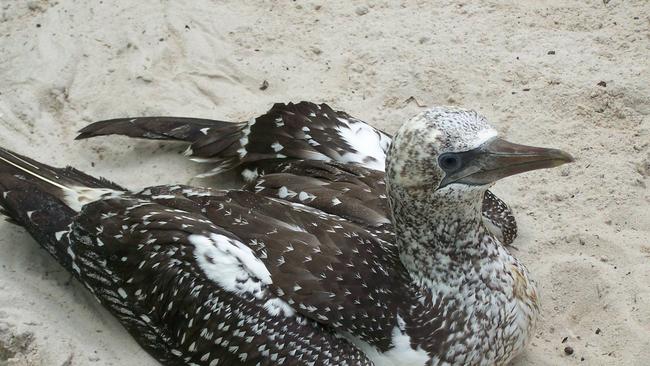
(441, 234)
(448, 251)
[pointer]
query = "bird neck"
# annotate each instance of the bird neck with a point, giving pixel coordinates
(463, 270)
(440, 234)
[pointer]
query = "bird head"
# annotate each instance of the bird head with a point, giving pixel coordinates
(454, 149)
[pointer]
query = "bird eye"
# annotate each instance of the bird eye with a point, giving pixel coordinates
(449, 162)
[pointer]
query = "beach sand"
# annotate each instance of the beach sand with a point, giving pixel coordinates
(568, 74)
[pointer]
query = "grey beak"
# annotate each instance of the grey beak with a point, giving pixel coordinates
(498, 158)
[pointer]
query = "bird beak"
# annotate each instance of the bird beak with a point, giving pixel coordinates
(497, 158)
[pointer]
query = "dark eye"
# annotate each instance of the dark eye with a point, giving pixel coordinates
(449, 162)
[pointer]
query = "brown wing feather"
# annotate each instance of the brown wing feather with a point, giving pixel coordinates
(287, 131)
(355, 193)
(154, 279)
(293, 138)
(157, 128)
(318, 262)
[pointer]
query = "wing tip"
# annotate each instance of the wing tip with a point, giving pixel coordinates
(84, 135)
(118, 126)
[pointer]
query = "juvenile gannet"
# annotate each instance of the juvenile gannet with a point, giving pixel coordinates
(202, 276)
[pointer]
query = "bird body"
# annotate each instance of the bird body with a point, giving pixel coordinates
(261, 276)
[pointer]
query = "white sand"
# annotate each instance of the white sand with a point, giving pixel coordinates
(584, 228)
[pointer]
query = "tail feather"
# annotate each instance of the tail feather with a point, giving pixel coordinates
(45, 200)
(27, 186)
(61, 178)
(44, 217)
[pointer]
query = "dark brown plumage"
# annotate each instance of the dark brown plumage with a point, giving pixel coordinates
(325, 153)
(303, 266)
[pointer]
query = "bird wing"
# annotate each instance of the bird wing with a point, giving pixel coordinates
(352, 192)
(499, 218)
(324, 267)
(194, 290)
(287, 131)
(357, 194)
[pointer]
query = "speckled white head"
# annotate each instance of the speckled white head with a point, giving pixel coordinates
(453, 146)
(413, 157)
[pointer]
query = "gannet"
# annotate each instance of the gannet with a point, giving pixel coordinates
(202, 276)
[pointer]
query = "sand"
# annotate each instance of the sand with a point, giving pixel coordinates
(568, 74)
